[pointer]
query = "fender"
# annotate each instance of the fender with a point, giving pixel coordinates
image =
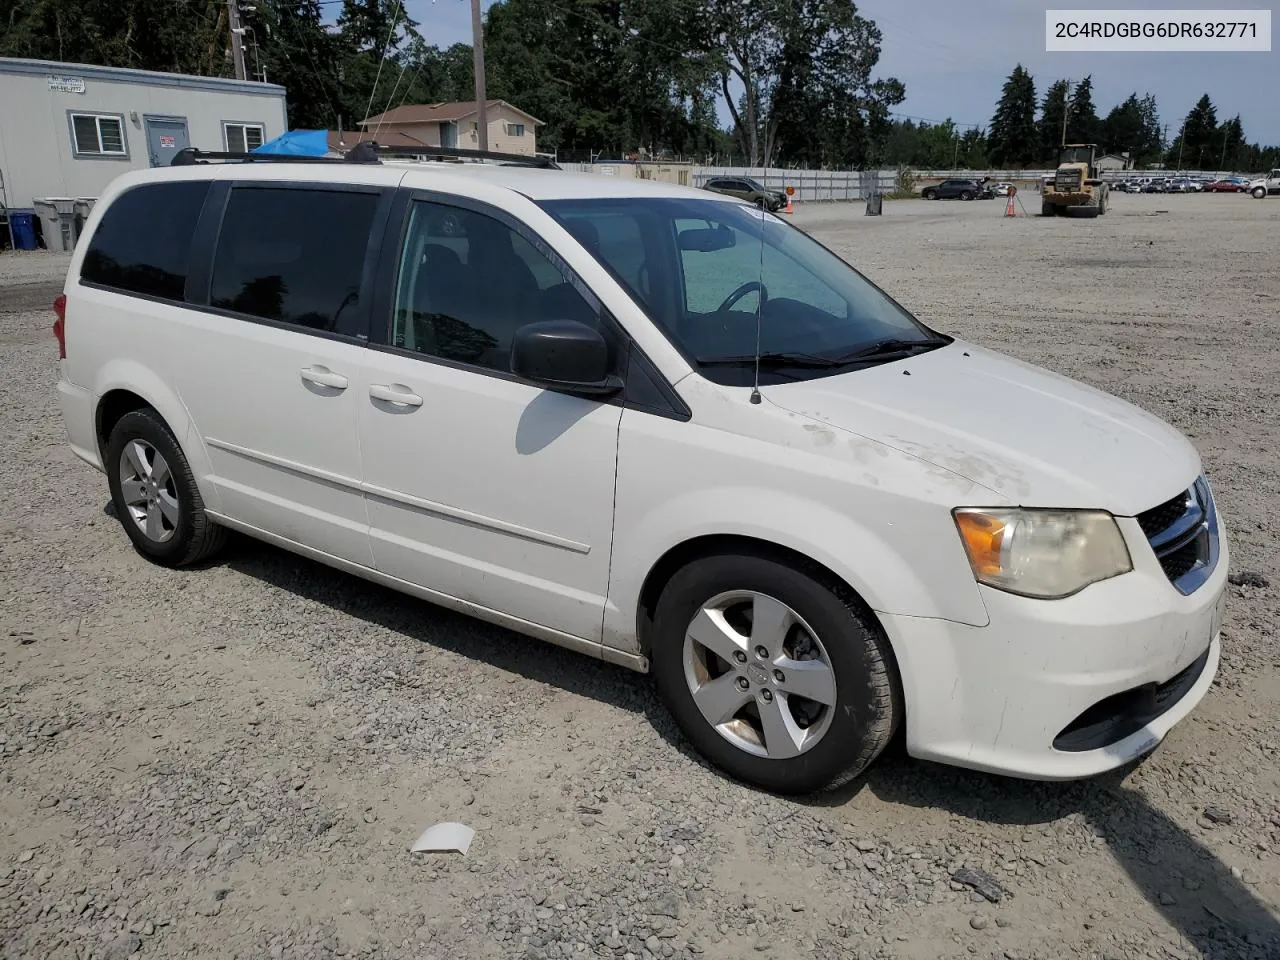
(867, 561)
(122, 373)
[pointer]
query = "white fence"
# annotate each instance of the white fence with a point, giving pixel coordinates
(809, 185)
(823, 185)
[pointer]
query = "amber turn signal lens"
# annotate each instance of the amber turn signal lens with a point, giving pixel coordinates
(983, 537)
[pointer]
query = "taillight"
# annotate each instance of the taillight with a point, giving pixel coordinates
(60, 325)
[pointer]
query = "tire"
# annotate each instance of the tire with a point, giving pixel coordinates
(1259, 193)
(1047, 209)
(835, 742)
(930, 194)
(1102, 203)
(966, 195)
(179, 536)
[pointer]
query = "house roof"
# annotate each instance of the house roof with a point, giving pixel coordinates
(342, 141)
(439, 112)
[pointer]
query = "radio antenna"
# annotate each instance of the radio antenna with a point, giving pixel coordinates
(755, 386)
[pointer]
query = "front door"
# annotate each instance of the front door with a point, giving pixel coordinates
(481, 486)
(164, 139)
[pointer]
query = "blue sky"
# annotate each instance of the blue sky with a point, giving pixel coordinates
(953, 63)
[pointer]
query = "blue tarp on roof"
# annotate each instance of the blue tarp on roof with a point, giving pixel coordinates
(298, 143)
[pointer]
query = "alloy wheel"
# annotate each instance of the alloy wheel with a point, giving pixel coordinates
(148, 490)
(759, 674)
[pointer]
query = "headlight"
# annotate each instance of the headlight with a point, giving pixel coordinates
(1042, 553)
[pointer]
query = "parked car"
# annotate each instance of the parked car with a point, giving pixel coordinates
(1175, 185)
(1155, 186)
(1227, 185)
(549, 417)
(752, 191)
(1002, 189)
(954, 190)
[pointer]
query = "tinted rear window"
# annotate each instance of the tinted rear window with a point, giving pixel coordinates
(143, 244)
(293, 255)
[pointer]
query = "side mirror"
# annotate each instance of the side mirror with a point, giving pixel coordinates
(565, 355)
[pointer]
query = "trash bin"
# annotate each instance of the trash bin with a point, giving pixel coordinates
(22, 222)
(874, 203)
(83, 207)
(59, 216)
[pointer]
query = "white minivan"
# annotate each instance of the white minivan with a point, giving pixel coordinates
(656, 425)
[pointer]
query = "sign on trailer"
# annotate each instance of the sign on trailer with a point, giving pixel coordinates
(67, 84)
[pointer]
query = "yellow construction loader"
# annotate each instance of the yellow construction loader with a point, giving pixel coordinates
(1075, 189)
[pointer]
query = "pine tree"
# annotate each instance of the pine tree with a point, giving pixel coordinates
(1196, 139)
(1012, 140)
(1082, 118)
(1049, 137)
(1233, 143)
(1151, 144)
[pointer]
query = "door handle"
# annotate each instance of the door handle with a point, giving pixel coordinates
(395, 393)
(324, 377)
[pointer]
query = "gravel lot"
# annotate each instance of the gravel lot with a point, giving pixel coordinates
(232, 761)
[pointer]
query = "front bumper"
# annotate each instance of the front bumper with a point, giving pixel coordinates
(996, 698)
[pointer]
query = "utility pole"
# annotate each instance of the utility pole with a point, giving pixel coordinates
(477, 57)
(1182, 142)
(237, 42)
(1226, 133)
(1066, 96)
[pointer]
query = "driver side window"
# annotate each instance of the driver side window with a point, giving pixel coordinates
(468, 281)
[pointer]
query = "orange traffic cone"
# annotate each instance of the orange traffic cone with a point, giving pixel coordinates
(790, 209)
(1008, 209)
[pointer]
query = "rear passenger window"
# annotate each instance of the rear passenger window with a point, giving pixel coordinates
(292, 255)
(143, 243)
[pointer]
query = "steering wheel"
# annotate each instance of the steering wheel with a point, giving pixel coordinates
(741, 292)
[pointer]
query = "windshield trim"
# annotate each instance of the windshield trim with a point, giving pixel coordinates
(552, 208)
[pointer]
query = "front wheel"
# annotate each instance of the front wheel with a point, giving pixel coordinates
(966, 195)
(779, 677)
(1259, 192)
(155, 495)
(930, 195)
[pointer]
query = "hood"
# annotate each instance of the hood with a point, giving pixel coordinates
(1031, 436)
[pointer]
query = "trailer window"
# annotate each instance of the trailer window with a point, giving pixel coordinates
(95, 134)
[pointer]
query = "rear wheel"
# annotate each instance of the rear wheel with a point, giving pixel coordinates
(778, 676)
(155, 494)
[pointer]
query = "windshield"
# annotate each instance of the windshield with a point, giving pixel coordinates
(1075, 155)
(701, 272)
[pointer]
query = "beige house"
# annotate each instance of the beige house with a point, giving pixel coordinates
(456, 124)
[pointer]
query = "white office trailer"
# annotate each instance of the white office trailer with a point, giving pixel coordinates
(69, 129)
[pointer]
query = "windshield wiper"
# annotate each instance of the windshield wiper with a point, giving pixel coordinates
(883, 349)
(772, 359)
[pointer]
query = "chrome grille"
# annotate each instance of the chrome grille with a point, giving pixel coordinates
(1183, 532)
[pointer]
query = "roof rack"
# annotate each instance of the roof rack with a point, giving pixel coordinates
(364, 152)
(190, 155)
(370, 151)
